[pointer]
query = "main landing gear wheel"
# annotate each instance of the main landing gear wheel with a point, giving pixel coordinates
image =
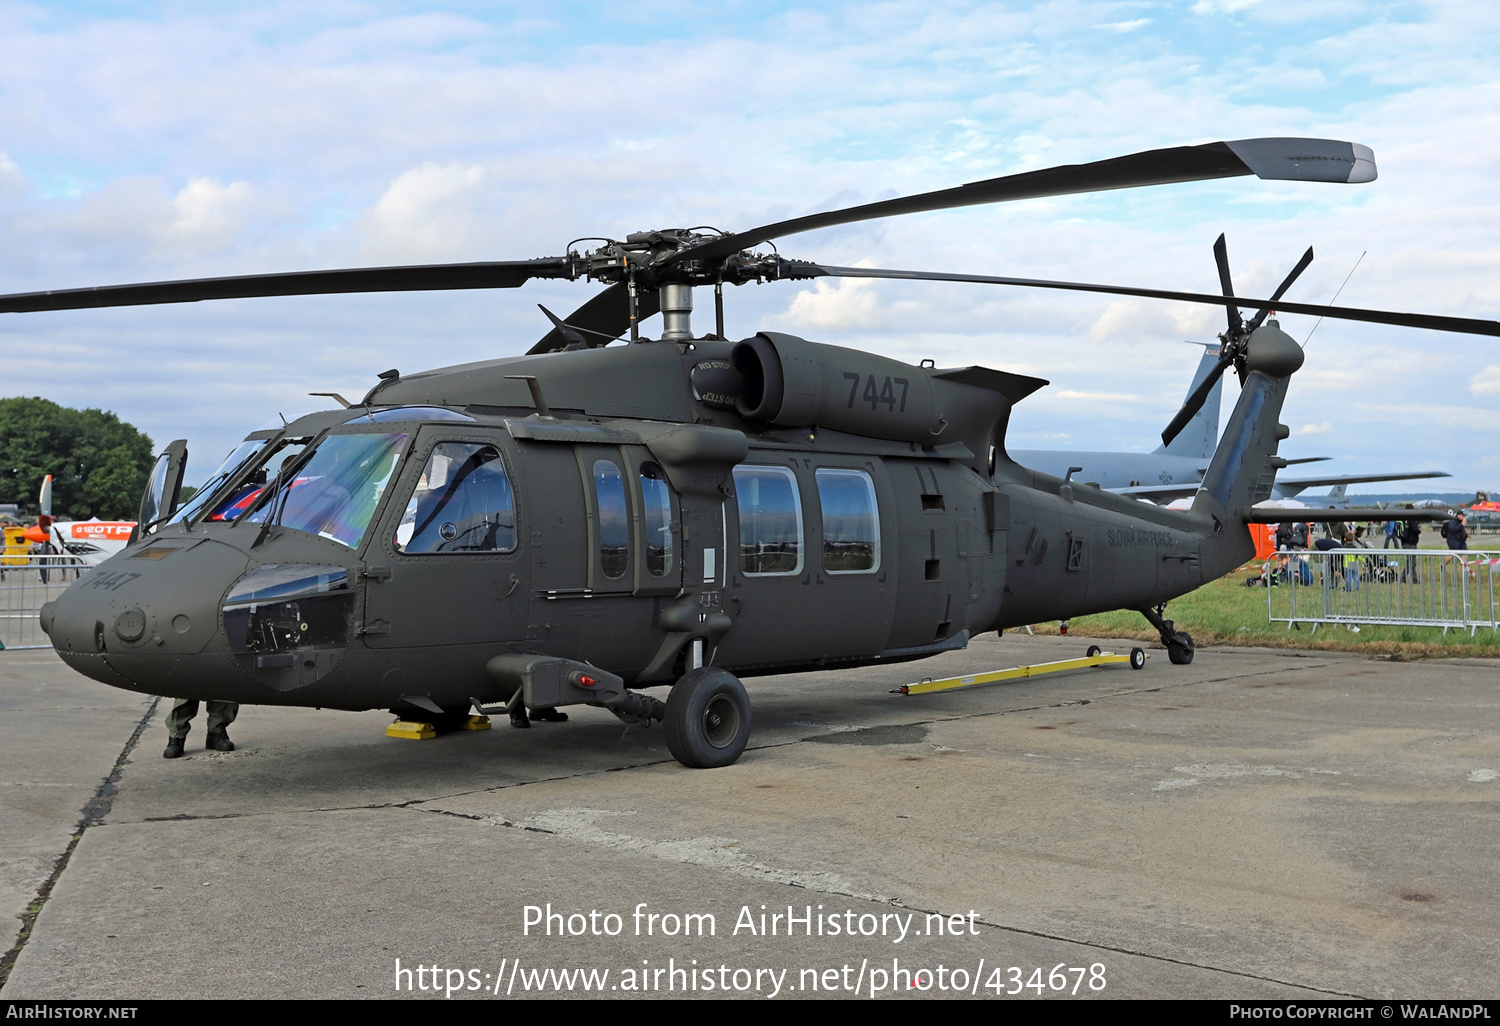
(708, 718)
(1137, 658)
(1180, 648)
(1093, 651)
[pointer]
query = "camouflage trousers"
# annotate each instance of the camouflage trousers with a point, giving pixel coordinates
(220, 715)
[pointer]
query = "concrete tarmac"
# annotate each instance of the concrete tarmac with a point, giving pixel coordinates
(1258, 824)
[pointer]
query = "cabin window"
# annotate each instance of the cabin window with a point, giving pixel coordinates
(851, 521)
(770, 520)
(656, 516)
(614, 527)
(462, 503)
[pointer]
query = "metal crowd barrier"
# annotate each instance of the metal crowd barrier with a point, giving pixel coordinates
(25, 583)
(1399, 587)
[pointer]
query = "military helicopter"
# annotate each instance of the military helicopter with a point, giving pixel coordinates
(587, 522)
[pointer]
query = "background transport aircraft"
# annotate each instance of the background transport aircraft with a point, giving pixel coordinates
(1174, 471)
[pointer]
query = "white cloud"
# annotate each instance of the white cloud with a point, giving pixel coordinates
(1222, 6)
(850, 304)
(209, 214)
(427, 213)
(1147, 318)
(1314, 429)
(139, 220)
(1487, 381)
(12, 182)
(1107, 397)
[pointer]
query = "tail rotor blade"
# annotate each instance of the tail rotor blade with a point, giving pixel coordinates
(1265, 312)
(1195, 402)
(1221, 257)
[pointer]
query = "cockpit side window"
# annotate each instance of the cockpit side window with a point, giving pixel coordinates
(462, 503)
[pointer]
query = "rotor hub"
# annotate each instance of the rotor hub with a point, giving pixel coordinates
(649, 259)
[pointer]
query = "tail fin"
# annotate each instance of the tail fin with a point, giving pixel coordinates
(1244, 465)
(1198, 436)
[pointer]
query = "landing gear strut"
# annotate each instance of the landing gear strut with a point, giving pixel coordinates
(1179, 643)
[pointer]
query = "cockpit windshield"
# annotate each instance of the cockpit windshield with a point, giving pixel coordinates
(335, 492)
(230, 467)
(230, 506)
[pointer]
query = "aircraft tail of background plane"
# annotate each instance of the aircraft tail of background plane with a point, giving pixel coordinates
(1338, 494)
(1201, 434)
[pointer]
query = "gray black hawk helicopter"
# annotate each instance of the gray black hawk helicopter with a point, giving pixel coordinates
(587, 522)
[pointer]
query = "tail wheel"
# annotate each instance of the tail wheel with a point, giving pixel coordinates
(1137, 658)
(1093, 651)
(1180, 648)
(708, 718)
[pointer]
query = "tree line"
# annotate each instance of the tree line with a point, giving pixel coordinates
(99, 464)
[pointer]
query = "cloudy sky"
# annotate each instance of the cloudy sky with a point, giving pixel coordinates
(158, 140)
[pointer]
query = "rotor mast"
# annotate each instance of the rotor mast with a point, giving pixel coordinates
(676, 312)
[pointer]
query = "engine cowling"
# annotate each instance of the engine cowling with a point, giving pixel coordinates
(785, 381)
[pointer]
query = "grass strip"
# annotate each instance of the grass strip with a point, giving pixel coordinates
(1225, 612)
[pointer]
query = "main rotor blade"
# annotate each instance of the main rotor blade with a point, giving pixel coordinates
(1433, 322)
(1302, 160)
(602, 319)
(1221, 257)
(1194, 402)
(500, 274)
(1286, 283)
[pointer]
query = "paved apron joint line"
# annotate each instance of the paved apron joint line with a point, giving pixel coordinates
(92, 813)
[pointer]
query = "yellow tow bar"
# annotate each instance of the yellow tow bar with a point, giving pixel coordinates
(1135, 660)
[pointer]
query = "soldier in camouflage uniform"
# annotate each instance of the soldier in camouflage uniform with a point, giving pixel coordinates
(180, 719)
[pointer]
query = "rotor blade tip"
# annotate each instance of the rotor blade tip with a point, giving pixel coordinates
(1307, 160)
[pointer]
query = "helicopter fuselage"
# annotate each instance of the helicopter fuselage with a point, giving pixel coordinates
(786, 506)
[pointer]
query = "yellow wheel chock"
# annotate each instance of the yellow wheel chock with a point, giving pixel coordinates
(413, 730)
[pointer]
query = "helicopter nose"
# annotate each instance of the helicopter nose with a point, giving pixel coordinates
(160, 600)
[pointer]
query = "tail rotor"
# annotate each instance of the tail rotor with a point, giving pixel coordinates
(1232, 351)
